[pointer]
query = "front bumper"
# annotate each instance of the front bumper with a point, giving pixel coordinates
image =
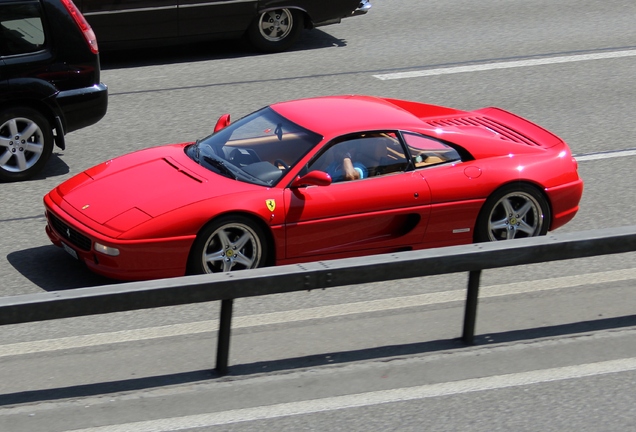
(137, 259)
(363, 8)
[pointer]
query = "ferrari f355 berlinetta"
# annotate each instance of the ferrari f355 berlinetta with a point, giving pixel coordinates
(315, 179)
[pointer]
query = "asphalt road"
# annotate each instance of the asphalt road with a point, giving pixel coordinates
(556, 348)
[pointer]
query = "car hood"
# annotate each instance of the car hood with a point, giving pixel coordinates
(125, 192)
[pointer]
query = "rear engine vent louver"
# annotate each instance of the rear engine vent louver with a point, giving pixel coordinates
(504, 132)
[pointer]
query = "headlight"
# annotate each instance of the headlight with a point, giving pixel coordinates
(106, 250)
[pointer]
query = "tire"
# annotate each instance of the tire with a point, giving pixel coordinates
(229, 243)
(514, 211)
(26, 143)
(276, 30)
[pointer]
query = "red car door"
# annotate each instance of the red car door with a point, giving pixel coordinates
(373, 215)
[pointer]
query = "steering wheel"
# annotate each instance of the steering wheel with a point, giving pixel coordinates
(280, 162)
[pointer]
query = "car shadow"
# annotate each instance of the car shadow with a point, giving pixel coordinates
(202, 51)
(302, 363)
(52, 269)
(54, 167)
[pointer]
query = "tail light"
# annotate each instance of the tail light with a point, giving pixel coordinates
(84, 26)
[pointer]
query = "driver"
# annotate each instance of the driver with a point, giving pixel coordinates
(353, 159)
(361, 160)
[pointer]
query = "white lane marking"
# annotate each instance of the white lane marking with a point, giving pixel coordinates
(605, 155)
(506, 65)
(373, 398)
(322, 312)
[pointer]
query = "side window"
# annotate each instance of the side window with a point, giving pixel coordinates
(362, 156)
(21, 28)
(426, 151)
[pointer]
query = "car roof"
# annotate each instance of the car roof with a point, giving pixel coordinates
(330, 115)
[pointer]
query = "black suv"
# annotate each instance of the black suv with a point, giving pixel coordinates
(49, 81)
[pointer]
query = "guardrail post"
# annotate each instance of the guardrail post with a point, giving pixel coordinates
(225, 327)
(470, 313)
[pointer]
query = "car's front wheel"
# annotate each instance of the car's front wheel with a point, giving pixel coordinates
(514, 211)
(276, 30)
(26, 143)
(227, 244)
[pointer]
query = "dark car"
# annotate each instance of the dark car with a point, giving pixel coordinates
(270, 25)
(49, 82)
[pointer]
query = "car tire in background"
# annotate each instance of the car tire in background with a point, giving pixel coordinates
(276, 30)
(229, 243)
(513, 211)
(26, 143)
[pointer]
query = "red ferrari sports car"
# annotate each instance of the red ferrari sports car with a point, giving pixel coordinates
(316, 179)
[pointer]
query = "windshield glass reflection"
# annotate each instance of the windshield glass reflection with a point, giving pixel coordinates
(258, 148)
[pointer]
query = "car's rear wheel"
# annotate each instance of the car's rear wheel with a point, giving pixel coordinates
(227, 244)
(26, 143)
(514, 211)
(276, 30)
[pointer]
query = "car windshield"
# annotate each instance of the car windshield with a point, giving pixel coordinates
(258, 148)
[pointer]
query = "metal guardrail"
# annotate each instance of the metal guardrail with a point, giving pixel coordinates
(226, 287)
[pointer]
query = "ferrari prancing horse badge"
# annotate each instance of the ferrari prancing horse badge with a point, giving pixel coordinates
(271, 204)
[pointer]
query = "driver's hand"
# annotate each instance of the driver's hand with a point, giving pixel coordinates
(349, 170)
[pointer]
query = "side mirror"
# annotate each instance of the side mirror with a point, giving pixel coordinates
(222, 122)
(312, 178)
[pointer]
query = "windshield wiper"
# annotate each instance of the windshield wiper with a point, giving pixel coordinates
(193, 151)
(219, 165)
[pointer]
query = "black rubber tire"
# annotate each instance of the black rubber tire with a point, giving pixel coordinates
(267, 38)
(31, 129)
(232, 242)
(499, 219)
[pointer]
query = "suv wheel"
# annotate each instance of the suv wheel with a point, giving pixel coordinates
(26, 143)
